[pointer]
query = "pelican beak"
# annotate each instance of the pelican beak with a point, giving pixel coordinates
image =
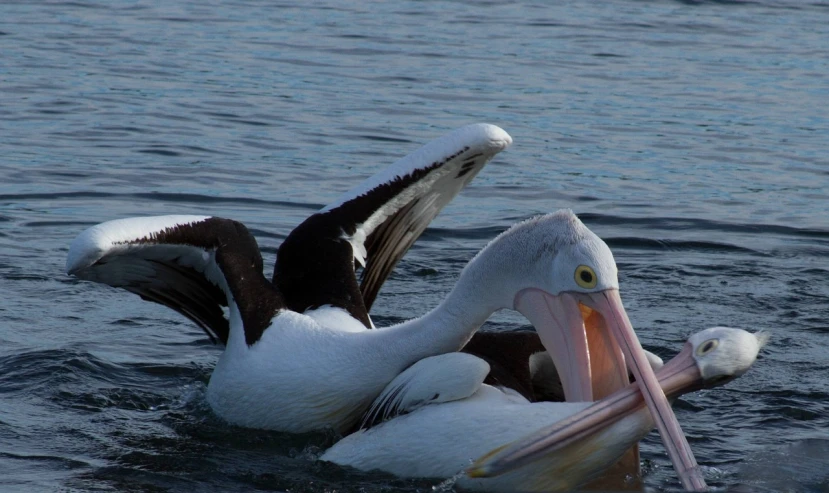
(592, 344)
(574, 329)
(560, 326)
(678, 376)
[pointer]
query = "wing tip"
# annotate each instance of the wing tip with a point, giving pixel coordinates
(482, 138)
(494, 136)
(95, 242)
(84, 251)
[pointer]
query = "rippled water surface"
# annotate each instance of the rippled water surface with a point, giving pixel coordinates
(691, 136)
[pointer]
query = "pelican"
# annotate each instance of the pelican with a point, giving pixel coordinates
(437, 437)
(300, 353)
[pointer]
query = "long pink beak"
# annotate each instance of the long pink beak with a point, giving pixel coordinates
(590, 339)
(679, 376)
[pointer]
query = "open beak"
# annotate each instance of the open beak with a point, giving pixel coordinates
(572, 328)
(678, 376)
(592, 343)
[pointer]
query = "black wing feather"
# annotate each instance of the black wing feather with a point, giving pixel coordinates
(184, 265)
(383, 216)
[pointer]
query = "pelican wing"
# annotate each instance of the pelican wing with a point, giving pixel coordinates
(375, 223)
(195, 265)
(443, 378)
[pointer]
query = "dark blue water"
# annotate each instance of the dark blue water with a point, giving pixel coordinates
(692, 136)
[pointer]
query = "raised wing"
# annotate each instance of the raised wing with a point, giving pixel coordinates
(192, 264)
(443, 378)
(375, 223)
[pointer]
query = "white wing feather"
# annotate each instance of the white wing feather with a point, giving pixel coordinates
(443, 378)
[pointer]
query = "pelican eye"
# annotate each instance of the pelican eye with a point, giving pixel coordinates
(707, 346)
(586, 277)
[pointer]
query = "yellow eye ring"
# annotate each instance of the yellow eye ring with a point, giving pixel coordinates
(707, 346)
(586, 277)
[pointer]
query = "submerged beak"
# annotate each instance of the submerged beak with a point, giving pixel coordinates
(678, 376)
(592, 344)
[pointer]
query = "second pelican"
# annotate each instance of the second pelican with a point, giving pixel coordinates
(473, 420)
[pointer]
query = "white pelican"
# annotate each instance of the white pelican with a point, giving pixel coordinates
(445, 418)
(299, 353)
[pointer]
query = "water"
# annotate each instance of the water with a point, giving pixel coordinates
(690, 135)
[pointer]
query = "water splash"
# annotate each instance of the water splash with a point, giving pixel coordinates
(448, 485)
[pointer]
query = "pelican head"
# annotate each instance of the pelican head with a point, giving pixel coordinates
(711, 358)
(563, 278)
(575, 306)
(722, 353)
